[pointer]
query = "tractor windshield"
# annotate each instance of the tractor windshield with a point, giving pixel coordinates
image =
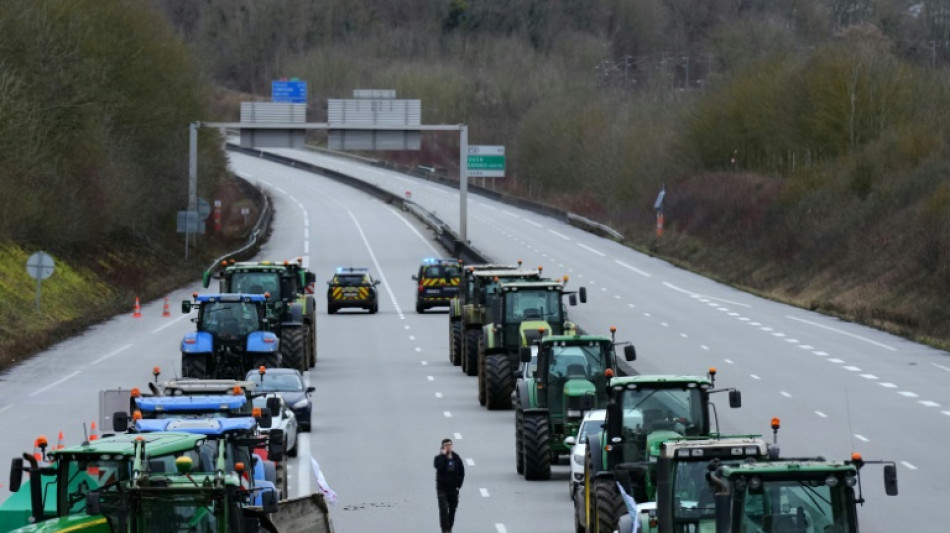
(783, 504)
(229, 319)
(692, 499)
(88, 473)
(256, 283)
(648, 409)
(170, 512)
(542, 305)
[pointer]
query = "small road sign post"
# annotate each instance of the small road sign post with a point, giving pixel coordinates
(39, 266)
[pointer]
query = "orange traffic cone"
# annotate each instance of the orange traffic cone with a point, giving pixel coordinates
(59, 442)
(165, 311)
(138, 309)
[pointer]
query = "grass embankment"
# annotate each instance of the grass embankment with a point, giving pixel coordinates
(90, 285)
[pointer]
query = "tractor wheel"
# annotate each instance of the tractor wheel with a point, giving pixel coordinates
(471, 351)
(195, 366)
(293, 349)
(482, 376)
(499, 382)
(293, 451)
(519, 441)
(266, 360)
(608, 506)
(455, 342)
(537, 447)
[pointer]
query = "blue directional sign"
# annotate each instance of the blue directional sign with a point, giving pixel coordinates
(289, 91)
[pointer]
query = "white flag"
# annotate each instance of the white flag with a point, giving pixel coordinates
(322, 483)
(631, 507)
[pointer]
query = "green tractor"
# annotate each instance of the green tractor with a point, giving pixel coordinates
(792, 495)
(291, 287)
(467, 312)
(518, 312)
(643, 412)
(570, 379)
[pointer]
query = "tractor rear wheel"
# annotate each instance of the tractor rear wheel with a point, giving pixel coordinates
(266, 360)
(471, 352)
(482, 387)
(455, 342)
(195, 366)
(519, 441)
(293, 349)
(537, 447)
(607, 505)
(499, 382)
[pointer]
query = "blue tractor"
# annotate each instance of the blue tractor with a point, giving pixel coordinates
(231, 337)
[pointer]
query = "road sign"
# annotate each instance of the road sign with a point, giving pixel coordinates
(39, 266)
(486, 161)
(190, 222)
(293, 91)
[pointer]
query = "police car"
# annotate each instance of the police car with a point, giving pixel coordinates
(352, 287)
(437, 283)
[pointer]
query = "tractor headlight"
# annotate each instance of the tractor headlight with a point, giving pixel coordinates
(300, 404)
(578, 459)
(574, 413)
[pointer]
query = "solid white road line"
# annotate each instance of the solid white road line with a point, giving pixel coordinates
(172, 322)
(533, 223)
(852, 335)
(637, 270)
(110, 354)
(55, 383)
(565, 237)
(379, 269)
(414, 230)
(591, 250)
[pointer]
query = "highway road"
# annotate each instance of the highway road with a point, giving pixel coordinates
(386, 393)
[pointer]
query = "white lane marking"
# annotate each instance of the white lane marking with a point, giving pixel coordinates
(565, 237)
(888, 385)
(730, 361)
(173, 322)
(406, 326)
(753, 376)
(806, 347)
(110, 354)
(617, 296)
(793, 341)
(908, 394)
(868, 376)
(928, 403)
(533, 223)
(303, 448)
(448, 414)
(756, 324)
(691, 293)
(664, 324)
(438, 395)
(430, 378)
(589, 249)
(836, 361)
(412, 337)
(852, 335)
(646, 315)
(744, 319)
(823, 354)
(861, 438)
(723, 309)
(704, 347)
(766, 329)
(787, 395)
(819, 413)
(685, 336)
(635, 269)
(414, 230)
(778, 334)
(418, 349)
(941, 367)
(306, 234)
(59, 381)
(908, 465)
(486, 206)
(631, 305)
(946, 412)
(500, 528)
(592, 282)
(733, 314)
(484, 492)
(5, 407)
(509, 213)
(458, 436)
(470, 461)
(851, 368)
(424, 363)
(379, 269)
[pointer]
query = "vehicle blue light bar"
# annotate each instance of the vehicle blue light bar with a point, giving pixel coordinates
(347, 270)
(181, 404)
(197, 426)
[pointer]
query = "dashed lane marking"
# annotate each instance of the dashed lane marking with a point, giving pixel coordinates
(55, 383)
(861, 438)
(448, 414)
(110, 354)
(628, 267)
(908, 465)
(869, 376)
(470, 462)
(438, 395)
(928, 403)
(430, 378)
(591, 250)
(819, 413)
(755, 377)
(787, 395)
(458, 436)
(484, 492)
(852, 335)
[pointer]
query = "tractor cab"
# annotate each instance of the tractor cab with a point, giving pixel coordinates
(519, 311)
(230, 319)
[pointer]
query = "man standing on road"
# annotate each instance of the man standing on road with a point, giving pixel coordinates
(449, 475)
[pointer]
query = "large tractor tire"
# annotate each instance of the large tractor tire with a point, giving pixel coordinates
(537, 447)
(266, 360)
(482, 387)
(519, 441)
(455, 342)
(607, 508)
(499, 382)
(195, 366)
(471, 351)
(293, 348)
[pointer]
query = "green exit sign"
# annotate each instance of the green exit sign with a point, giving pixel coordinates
(486, 161)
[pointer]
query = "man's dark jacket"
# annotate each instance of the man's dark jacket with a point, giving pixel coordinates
(449, 472)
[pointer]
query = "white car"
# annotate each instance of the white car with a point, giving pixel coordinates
(592, 423)
(282, 419)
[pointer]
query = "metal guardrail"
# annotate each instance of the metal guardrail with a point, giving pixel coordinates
(258, 231)
(443, 233)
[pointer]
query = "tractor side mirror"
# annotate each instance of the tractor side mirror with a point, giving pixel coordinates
(890, 480)
(275, 446)
(572, 299)
(583, 294)
(185, 306)
(525, 354)
(205, 281)
(570, 441)
(269, 501)
(735, 399)
(629, 353)
(16, 474)
(120, 421)
(92, 503)
(267, 419)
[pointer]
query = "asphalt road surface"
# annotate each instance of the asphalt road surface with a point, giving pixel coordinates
(386, 393)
